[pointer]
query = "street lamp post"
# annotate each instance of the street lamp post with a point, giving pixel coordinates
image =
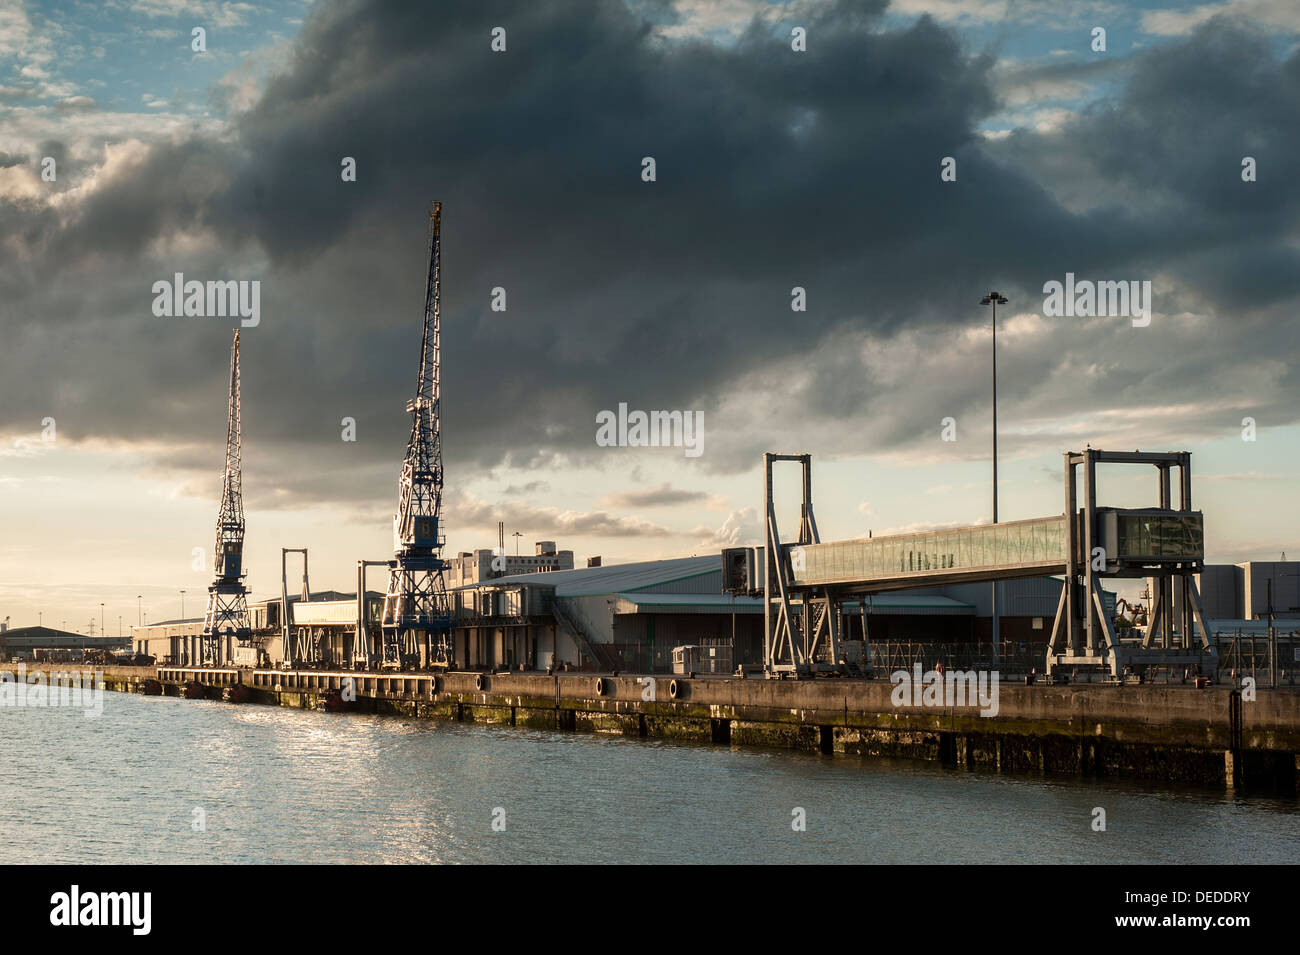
(995, 299)
(139, 611)
(182, 605)
(102, 632)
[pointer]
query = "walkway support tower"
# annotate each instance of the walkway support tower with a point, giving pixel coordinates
(1165, 543)
(227, 612)
(416, 628)
(293, 652)
(804, 584)
(802, 639)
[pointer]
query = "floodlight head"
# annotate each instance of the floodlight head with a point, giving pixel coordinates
(993, 298)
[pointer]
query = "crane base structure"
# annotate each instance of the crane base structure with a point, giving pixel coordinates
(225, 620)
(804, 583)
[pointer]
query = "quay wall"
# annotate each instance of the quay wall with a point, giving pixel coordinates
(1174, 733)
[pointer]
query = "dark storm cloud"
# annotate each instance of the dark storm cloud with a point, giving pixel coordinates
(663, 495)
(473, 513)
(775, 169)
(532, 487)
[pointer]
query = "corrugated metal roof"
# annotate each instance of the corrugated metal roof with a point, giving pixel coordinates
(710, 583)
(53, 637)
(688, 603)
(316, 595)
(894, 604)
(612, 579)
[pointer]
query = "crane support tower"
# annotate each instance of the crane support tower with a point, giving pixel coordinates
(416, 627)
(227, 613)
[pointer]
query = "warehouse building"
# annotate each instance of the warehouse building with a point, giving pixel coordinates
(27, 644)
(166, 641)
(1241, 591)
(327, 619)
(630, 617)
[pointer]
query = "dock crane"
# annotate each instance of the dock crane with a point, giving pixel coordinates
(417, 626)
(227, 613)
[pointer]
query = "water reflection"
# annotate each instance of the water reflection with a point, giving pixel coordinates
(279, 785)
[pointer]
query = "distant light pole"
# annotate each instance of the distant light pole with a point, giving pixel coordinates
(40, 618)
(995, 299)
(517, 535)
(102, 631)
(139, 612)
(182, 605)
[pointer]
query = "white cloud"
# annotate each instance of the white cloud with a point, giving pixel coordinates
(731, 17)
(740, 528)
(209, 14)
(972, 12)
(1281, 15)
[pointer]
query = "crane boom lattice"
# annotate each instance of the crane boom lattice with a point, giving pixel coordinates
(227, 611)
(416, 627)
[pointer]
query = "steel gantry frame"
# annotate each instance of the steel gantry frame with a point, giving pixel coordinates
(1082, 634)
(417, 622)
(227, 610)
(363, 645)
(793, 641)
(804, 583)
(300, 652)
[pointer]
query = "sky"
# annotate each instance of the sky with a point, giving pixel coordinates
(906, 159)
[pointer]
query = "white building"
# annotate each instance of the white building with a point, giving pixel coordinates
(489, 563)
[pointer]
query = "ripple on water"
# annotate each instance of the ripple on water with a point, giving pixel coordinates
(281, 785)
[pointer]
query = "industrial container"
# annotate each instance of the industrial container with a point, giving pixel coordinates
(693, 658)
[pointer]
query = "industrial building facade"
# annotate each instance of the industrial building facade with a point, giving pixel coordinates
(483, 564)
(27, 644)
(630, 617)
(625, 617)
(1242, 591)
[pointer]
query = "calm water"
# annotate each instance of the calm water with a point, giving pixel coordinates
(280, 785)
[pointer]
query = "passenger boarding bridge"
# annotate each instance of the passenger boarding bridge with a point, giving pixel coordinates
(806, 581)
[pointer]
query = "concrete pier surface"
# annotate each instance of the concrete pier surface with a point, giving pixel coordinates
(1207, 736)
